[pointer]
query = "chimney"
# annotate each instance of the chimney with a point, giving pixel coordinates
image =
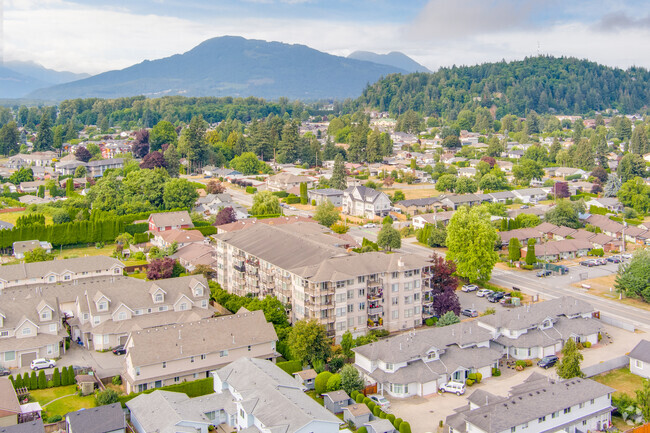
(400, 262)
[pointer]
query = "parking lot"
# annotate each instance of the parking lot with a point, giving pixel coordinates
(480, 304)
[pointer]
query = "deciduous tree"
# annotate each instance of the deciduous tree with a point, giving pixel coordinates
(308, 341)
(389, 238)
(179, 194)
(569, 365)
(225, 216)
(326, 214)
(265, 203)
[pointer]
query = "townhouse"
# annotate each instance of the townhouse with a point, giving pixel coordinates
(251, 394)
(419, 362)
(341, 289)
(252, 222)
(444, 217)
(530, 195)
(538, 405)
(94, 168)
(365, 202)
(160, 222)
(177, 353)
(419, 205)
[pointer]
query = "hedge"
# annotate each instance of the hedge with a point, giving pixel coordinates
(320, 383)
(280, 194)
(290, 367)
(205, 231)
(251, 189)
(195, 388)
(201, 223)
(292, 199)
(132, 229)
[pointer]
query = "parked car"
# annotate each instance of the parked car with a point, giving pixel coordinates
(544, 273)
(484, 292)
(588, 263)
(614, 259)
(370, 226)
(41, 363)
(119, 350)
(469, 312)
(469, 288)
(547, 361)
(379, 400)
(4, 372)
(626, 256)
(600, 262)
(457, 388)
(496, 297)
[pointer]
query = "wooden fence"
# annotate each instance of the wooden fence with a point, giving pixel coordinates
(645, 428)
(55, 427)
(372, 389)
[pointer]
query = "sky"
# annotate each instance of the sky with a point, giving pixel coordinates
(94, 36)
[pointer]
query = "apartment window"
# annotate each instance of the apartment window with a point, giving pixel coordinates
(204, 356)
(249, 348)
(158, 298)
(191, 359)
(555, 414)
(584, 422)
(361, 279)
(103, 306)
(362, 292)
(524, 425)
(394, 300)
(362, 306)
(137, 371)
(541, 419)
(395, 314)
(223, 353)
(351, 308)
(350, 322)
(394, 287)
(340, 284)
(340, 326)
(513, 429)
(350, 282)
(638, 363)
(4, 333)
(407, 286)
(340, 297)
(416, 309)
(204, 303)
(408, 299)
(408, 312)
(416, 283)
(121, 316)
(394, 274)
(66, 277)
(408, 274)
(45, 315)
(51, 278)
(567, 410)
(10, 356)
(53, 327)
(177, 379)
(137, 312)
(163, 308)
(195, 375)
(350, 294)
(416, 297)
(389, 366)
(592, 401)
(164, 364)
(581, 405)
(340, 311)
(96, 320)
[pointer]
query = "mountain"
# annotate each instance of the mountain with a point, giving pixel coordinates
(41, 73)
(545, 84)
(394, 58)
(16, 85)
(232, 66)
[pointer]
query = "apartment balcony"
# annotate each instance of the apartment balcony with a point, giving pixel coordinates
(375, 293)
(375, 282)
(239, 267)
(376, 323)
(428, 311)
(375, 311)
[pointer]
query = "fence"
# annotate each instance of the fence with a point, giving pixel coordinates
(55, 427)
(605, 366)
(371, 389)
(617, 323)
(645, 428)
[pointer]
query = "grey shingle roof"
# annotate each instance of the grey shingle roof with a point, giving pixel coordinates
(26, 427)
(99, 419)
(166, 219)
(36, 270)
(641, 351)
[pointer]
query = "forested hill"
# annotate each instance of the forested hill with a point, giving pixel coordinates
(544, 84)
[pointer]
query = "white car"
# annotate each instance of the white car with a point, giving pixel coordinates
(41, 363)
(483, 292)
(379, 400)
(469, 288)
(457, 388)
(626, 256)
(369, 226)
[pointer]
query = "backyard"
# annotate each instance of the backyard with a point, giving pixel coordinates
(61, 400)
(623, 382)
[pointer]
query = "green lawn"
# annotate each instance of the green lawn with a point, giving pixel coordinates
(621, 380)
(65, 404)
(11, 217)
(107, 250)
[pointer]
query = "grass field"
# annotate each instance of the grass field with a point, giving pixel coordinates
(66, 403)
(69, 253)
(621, 380)
(11, 217)
(413, 193)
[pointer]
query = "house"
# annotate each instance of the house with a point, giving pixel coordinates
(68, 168)
(180, 237)
(640, 359)
(31, 187)
(285, 181)
(171, 354)
(565, 172)
(22, 247)
(539, 405)
(515, 154)
(25, 427)
(160, 222)
(211, 204)
(357, 413)
(608, 226)
(227, 173)
(418, 205)
(192, 255)
(467, 172)
(420, 221)
(380, 425)
(102, 419)
(166, 411)
(97, 168)
(502, 196)
(528, 195)
(306, 378)
(523, 234)
(552, 251)
(335, 401)
(456, 201)
(266, 397)
(365, 202)
(335, 196)
(9, 405)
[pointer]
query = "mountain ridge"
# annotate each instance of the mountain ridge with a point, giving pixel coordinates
(394, 58)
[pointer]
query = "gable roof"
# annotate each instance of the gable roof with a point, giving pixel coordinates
(641, 351)
(25, 427)
(9, 404)
(181, 236)
(37, 270)
(99, 419)
(367, 194)
(166, 219)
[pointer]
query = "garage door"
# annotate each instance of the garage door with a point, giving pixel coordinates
(549, 350)
(123, 339)
(27, 358)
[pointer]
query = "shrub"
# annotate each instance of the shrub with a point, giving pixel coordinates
(292, 199)
(313, 202)
(56, 377)
(42, 380)
(106, 397)
(529, 362)
(587, 344)
(27, 381)
(371, 405)
(366, 401)
(430, 321)
(251, 189)
(359, 398)
(290, 367)
(117, 380)
(469, 382)
(520, 363)
(334, 383)
(376, 411)
(50, 384)
(18, 381)
(472, 376)
(405, 427)
(362, 430)
(397, 423)
(336, 363)
(496, 372)
(320, 383)
(598, 252)
(354, 394)
(382, 414)
(479, 377)
(55, 418)
(390, 417)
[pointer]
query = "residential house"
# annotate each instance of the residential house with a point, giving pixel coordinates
(529, 195)
(503, 197)
(636, 235)
(523, 234)
(25, 427)
(456, 201)
(341, 289)
(160, 222)
(285, 181)
(380, 425)
(192, 255)
(552, 251)
(9, 405)
(539, 405)
(606, 225)
(365, 202)
(467, 172)
(101, 419)
(357, 413)
(419, 205)
(563, 232)
(564, 172)
(68, 168)
(39, 159)
(420, 221)
(166, 411)
(182, 238)
(22, 247)
(334, 196)
(97, 168)
(172, 354)
(211, 204)
(32, 186)
(227, 173)
(506, 166)
(335, 401)
(610, 203)
(42, 173)
(306, 378)
(640, 359)
(515, 154)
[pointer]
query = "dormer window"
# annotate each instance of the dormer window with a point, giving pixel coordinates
(183, 306)
(121, 316)
(46, 315)
(158, 297)
(116, 270)
(198, 291)
(51, 278)
(103, 306)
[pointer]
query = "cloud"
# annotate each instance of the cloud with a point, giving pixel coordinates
(443, 19)
(617, 21)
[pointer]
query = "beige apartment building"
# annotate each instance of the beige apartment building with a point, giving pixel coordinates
(172, 354)
(308, 268)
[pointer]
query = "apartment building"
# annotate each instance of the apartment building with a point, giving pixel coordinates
(538, 405)
(177, 353)
(307, 266)
(58, 271)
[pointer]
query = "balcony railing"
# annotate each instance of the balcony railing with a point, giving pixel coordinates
(374, 311)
